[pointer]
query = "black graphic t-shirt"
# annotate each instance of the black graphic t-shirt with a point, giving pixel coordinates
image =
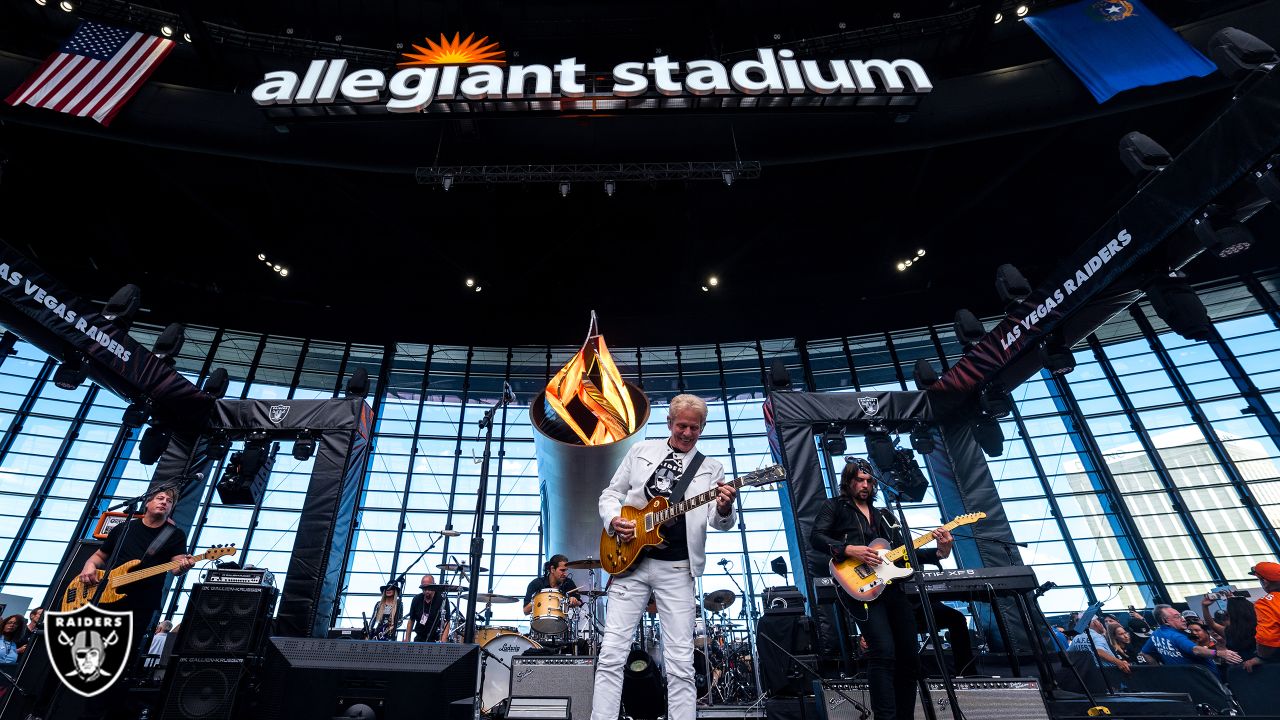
(144, 595)
(427, 619)
(675, 532)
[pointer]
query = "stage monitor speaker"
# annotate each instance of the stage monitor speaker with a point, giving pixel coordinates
(779, 672)
(203, 688)
(226, 620)
(556, 676)
(979, 699)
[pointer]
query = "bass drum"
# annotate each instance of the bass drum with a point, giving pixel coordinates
(496, 667)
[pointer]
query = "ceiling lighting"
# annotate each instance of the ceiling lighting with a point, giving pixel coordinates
(186, 36)
(1011, 286)
(1227, 239)
(1176, 302)
(276, 268)
(217, 383)
(288, 31)
(713, 281)
(564, 188)
(122, 306)
(66, 6)
(706, 289)
(71, 372)
(337, 38)
(262, 256)
(169, 343)
(777, 36)
(999, 17)
(920, 253)
(834, 441)
(166, 30)
(284, 272)
(990, 436)
(610, 187)
(902, 266)
(879, 445)
(728, 177)
(968, 328)
(304, 446)
(842, 25)
(1022, 10)
(1143, 156)
(471, 282)
(1239, 54)
(446, 182)
(1056, 356)
(478, 288)
(42, 3)
(907, 263)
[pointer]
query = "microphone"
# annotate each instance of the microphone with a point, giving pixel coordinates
(508, 395)
(723, 562)
(450, 533)
(1045, 587)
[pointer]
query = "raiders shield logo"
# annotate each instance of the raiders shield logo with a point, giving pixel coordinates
(870, 405)
(88, 647)
(277, 413)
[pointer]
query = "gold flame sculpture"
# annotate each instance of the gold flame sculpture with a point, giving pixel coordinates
(589, 396)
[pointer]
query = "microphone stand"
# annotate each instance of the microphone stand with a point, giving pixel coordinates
(477, 534)
(914, 560)
(402, 577)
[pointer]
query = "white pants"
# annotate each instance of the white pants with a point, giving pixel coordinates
(672, 585)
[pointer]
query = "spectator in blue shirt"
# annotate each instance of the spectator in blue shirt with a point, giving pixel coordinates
(1170, 645)
(1095, 635)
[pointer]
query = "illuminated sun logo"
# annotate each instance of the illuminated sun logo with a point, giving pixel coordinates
(455, 52)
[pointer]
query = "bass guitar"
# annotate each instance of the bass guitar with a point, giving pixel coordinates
(78, 594)
(865, 583)
(617, 555)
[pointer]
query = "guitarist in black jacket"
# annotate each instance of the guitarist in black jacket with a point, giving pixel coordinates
(845, 527)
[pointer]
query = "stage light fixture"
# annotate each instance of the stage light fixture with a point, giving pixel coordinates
(219, 444)
(478, 288)
(71, 372)
(907, 263)
(284, 272)
(1268, 180)
(610, 187)
(968, 328)
(922, 440)
(1239, 54)
(122, 306)
(166, 30)
(1143, 156)
(924, 374)
(1022, 10)
(66, 6)
(358, 383)
(643, 693)
(446, 182)
(42, 3)
(152, 445)
(842, 25)
(990, 436)
(244, 479)
(217, 383)
(728, 177)
(1228, 238)
(564, 188)
(169, 343)
(137, 414)
(1056, 356)
(1177, 304)
(995, 402)
(920, 252)
(779, 376)
(1011, 286)
(999, 18)
(902, 266)
(471, 282)
(713, 281)
(879, 445)
(186, 36)
(834, 441)
(337, 38)
(288, 31)
(262, 257)
(305, 446)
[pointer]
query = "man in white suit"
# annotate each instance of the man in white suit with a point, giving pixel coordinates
(651, 468)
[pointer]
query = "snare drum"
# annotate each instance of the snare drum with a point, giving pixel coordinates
(549, 612)
(497, 666)
(485, 634)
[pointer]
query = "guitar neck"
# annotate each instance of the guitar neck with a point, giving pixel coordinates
(921, 540)
(136, 575)
(684, 506)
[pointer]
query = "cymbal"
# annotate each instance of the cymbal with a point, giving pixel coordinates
(584, 564)
(495, 598)
(444, 588)
(459, 567)
(718, 600)
(728, 626)
(590, 593)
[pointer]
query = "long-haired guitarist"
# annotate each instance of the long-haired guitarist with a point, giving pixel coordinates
(845, 527)
(651, 468)
(387, 613)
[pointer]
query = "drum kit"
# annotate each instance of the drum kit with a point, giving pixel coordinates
(724, 670)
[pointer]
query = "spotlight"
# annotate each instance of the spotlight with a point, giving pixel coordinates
(706, 289)
(908, 262)
(122, 306)
(999, 18)
(304, 446)
(245, 478)
(990, 437)
(833, 440)
(1229, 238)
(471, 282)
(71, 372)
(446, 182)
(924, 374)
(217, 383)
(152, 445)
(284, 272)
(337, 38)
(995, 402)
(262, 257)
(288, 31)
(728, 177)
(1178, 305)
(219, 444)
(169, 343)
(42, 3)
(909, 480)
(564, 188)
(276, 268)
(1056, 356)
(713, 281)
(643, 693)
(186, 36)
(902, 266)
(358, 383)
(1143, 156)
(922, 440)
(920, 252)
(777, 36)
(166, 30)
(879, 445)
(1022, 10)
(66, 6)
(968, 328)
(478, 288)
(1011, 286)
(779, 376)
(1239, 54)
(610, 187)
(137, 414)
(842, 25)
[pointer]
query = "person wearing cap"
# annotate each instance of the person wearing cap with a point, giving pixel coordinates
(387, 613)
(1170, 645)
(1268, 610)
(428, 614)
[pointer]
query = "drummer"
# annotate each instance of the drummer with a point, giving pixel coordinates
(555, 575)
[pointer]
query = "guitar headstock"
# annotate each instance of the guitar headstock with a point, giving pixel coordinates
(969, 519)
(218, 551)
(764, 476)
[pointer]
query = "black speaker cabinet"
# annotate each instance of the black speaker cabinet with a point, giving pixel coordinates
(203, 688)
(779, 671)
(226, 620)
(556, 676)
(979, 699)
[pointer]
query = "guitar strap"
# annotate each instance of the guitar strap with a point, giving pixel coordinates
(677, 492)
(160, 540)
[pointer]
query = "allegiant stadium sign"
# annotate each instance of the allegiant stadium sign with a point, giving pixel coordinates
(412, 89)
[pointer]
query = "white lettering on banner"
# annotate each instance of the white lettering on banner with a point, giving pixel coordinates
(40, 296)
(412, 89)
(1105, 254)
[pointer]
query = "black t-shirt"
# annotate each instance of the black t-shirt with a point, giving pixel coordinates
(540, 583)
(143, 596)
(675, 533)
(437, 614)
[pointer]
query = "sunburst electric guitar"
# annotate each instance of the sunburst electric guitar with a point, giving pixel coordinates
(616, 555)
(865, 583)
(78, 594)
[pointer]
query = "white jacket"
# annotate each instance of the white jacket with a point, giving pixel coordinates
(627, 487)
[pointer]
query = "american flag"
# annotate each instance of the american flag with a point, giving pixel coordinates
(94, 73)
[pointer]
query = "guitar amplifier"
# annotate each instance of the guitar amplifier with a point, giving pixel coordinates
(783, 598)
(558, 676)
(979, 699)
